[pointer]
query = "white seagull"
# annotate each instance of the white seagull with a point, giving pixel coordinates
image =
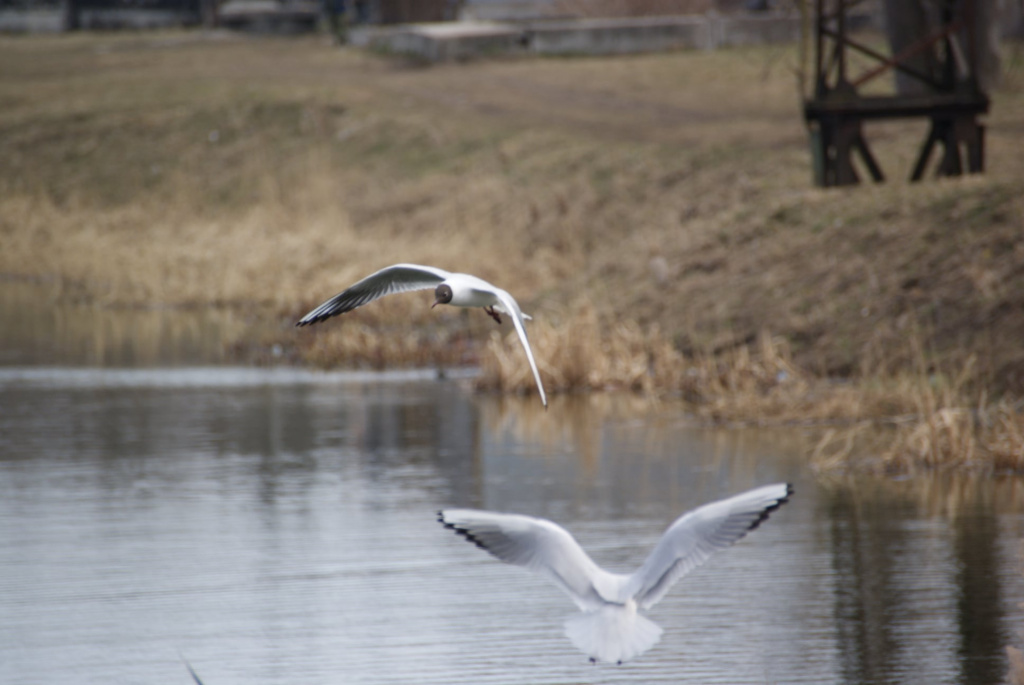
(459, 290)
(610, 628)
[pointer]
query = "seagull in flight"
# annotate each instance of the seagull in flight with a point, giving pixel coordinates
(459, 290)
(610, 627)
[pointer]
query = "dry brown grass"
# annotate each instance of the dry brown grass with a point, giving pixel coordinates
(893, 424)
(580, 353)
(948, 433)
(988, 438)
(583, 353)
(653, 213)
(929, 423)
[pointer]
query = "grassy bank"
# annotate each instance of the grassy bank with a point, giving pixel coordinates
(654, 214)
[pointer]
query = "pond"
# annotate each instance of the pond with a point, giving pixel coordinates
(279, 526)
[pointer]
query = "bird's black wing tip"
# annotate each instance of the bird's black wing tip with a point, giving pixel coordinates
(782, 500)
(766, 512)
(461, 531)
(310, 320)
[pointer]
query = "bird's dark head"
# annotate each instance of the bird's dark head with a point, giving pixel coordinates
(442, 295)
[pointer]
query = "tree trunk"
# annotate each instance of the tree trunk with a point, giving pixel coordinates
(208, 13)
(72, 20)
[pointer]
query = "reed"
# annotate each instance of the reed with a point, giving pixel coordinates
(955, 436)
(940, 426)
(584, 352)
(581, 353)
(365, 344)
(907, 423)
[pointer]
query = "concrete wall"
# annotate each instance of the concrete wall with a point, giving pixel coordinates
(618, 36)
(465, 40)
(448, 42)
(269, 16)
(102, 19)
(511, 10)
(31, 21)
(655, 34)
(754, 29)
(53, 20)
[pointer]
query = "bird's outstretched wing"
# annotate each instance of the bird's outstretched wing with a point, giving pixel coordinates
(696, 535)
(537, 544)
(511, 307)
(399, 278)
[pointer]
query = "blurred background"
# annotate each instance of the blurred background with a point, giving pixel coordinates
(760, 241)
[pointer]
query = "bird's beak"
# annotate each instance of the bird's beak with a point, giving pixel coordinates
(436, 302)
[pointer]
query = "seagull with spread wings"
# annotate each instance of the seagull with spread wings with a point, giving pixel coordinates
(459, 290)
(610, 627)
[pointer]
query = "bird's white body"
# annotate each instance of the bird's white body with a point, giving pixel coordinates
(466, 291)
(611, 627)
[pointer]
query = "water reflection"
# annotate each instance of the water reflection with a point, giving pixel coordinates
(866, 545)
(905, 571)
(979, 608)
(277, 527)
(39, 327)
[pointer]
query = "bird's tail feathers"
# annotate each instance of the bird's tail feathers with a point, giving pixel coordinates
(613, 634)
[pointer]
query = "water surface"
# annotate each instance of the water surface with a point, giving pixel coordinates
(279, 527)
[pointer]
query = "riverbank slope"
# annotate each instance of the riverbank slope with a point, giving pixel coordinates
(654, 214)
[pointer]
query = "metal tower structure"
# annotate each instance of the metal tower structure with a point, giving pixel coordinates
(946, 92)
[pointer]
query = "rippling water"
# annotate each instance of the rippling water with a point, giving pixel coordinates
(279, 527)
